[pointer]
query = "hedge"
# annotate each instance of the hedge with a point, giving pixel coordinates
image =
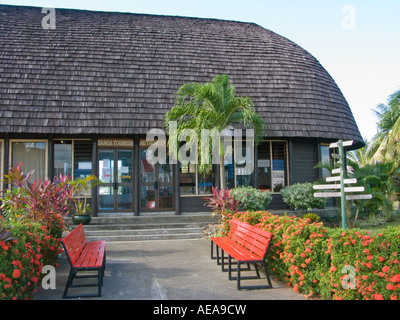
(327, 263)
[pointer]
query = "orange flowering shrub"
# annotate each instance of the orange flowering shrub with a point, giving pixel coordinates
(375, 262)
(330, 263)
(22, 259)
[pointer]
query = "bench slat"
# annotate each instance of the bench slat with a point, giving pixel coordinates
(74, 242)
(237, 251)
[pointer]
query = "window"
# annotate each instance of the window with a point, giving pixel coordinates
(239, 168)
(32, 154)
(272, 165)
(62, 158)
(278, 166)
(193, 182)
(238, 171)
(82, 158)
(326, 160)
(73, 157)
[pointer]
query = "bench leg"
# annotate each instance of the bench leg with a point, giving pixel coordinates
(217, 249)
(238, 275)
(100, 280)
(212, 250)
(267, 274)
(230, 268)
(71, 276)
(222, 260)
(258, 273)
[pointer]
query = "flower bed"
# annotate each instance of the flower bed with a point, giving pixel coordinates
(31, 230)
(22, 259)
(329, 263)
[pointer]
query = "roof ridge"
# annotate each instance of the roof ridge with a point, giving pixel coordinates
(138, 14)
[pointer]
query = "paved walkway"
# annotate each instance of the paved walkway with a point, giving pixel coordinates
(164, 270)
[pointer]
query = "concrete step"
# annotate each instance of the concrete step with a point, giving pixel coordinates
(153, 218)
(146, 236)
(140, 226)
(149, 227)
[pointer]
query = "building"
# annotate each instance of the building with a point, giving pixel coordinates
(79, 90)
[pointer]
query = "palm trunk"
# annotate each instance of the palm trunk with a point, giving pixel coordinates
(221, 164)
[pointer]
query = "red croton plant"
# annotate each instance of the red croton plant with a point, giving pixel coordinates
(221, 202)
(37, 200)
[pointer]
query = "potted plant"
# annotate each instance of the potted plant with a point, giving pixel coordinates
(81, 190)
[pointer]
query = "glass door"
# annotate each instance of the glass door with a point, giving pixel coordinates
(156, 185)
(115, 175)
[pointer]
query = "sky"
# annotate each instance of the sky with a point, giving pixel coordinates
(356, 41)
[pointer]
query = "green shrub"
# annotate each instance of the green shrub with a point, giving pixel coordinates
(251, 198)
(301, 196)
(312, 216)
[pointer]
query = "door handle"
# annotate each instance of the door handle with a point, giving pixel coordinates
(115, 185)
(156, 184)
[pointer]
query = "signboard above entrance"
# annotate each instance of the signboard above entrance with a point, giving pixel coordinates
(115, 143)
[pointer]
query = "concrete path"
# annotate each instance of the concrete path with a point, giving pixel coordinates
(164, 270)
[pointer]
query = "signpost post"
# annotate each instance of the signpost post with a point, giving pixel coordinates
(342, 181)
(343, 195)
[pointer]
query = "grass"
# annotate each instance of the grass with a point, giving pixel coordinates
(379, 228)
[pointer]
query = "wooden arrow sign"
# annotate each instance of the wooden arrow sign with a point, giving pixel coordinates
(337, 186)
(327, 194)
(339, 194)
(326, 186)
(359, 196)
(346, 181)
(345, 144)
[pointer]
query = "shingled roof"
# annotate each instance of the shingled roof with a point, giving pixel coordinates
(117, 73)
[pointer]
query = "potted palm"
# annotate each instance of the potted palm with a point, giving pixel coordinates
(81, 190)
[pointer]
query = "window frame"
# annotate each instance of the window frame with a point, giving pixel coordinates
(321, 170)
(73, 152)
(271, 161)
(196, 194)
(46, 156)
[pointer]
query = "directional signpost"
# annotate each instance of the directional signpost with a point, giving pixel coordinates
(340, 182)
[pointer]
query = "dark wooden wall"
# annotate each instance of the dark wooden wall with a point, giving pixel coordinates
(303, 157)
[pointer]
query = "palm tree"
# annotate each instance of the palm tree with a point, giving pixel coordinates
(382, 181)
(360, 157)
(211, 105)
(386, 142)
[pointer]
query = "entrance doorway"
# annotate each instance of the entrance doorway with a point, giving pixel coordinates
(115, 194)
(156, 185)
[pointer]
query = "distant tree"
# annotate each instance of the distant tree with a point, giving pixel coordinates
(385, 144)
(360, 157)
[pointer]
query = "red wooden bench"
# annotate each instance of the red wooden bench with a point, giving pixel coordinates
(84, 255)
(246, 244)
